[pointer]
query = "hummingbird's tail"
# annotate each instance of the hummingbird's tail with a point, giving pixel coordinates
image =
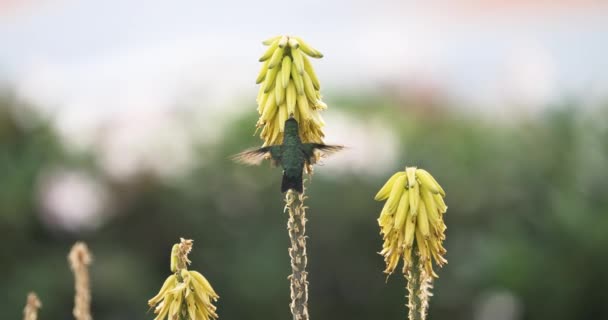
(294, 183)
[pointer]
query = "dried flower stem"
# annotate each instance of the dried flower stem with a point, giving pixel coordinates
(80, 259)
(179, 262)
(179, 255)
(296, 225)
(30, 312)
(419, 285)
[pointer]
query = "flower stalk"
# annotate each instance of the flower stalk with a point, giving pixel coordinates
(30, 312)
(80, 259)
(289, 103)
(296, 226)
(419, 286)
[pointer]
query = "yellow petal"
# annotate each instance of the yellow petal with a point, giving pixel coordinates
(167, 285)
(395, 195)
(388, 186)
(423, 221)
(414, 194)
(402, 209)
(428, 181)
(198, 277)
(411, 176)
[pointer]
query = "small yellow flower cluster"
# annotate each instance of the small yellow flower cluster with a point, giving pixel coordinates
(289, 88)
(412, 217)
(185, 294)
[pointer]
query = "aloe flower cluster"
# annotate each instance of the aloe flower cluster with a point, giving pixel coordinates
(289, 88)
(186, 294)
(412, 227)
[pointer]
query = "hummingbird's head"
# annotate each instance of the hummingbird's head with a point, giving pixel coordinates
(291, 126)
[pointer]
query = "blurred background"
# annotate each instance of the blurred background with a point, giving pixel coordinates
(117, 118)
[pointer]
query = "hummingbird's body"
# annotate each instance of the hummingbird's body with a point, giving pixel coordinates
(292, 156)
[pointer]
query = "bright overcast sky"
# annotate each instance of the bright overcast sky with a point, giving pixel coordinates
(113, 71)
(91, 59)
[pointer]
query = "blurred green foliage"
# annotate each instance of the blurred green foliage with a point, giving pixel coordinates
(527, 215)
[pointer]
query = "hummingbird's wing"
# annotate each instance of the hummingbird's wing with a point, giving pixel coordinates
(325, 150)
(256, 156)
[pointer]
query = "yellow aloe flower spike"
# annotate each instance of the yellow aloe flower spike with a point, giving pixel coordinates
(287, 76)
(412, 227)
(186, 294)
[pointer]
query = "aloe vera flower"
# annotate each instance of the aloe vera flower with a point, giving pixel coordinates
(186, 294)
(289, 88)
(411, 221)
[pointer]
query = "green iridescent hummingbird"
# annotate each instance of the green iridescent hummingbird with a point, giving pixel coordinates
(292, 156)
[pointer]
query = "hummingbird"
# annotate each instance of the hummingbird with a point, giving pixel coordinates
(292, 156)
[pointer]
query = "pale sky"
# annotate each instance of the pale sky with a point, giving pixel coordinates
(115, 74)
(121, 64)
(119, 56)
